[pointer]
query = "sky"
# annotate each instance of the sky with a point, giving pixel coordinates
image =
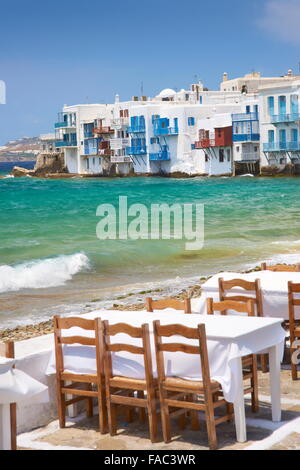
(71, 51)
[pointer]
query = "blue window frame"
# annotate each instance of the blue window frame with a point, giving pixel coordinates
(248, 109)
(282, 105)
(191, 121)
(294, 135)
(271, 105)
(294, 104)
(271, 136)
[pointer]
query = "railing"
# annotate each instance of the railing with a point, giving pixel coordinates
(103, 130)
(136, 129)
(160, 156)
(245, 117)
(245, 137)
(119, 143)
(276, 118)
(281, 146)
(90, 151)
(66, 143)
(205, 143)
(120, 159)
(165, 131)
(139, 150)
(249, 157)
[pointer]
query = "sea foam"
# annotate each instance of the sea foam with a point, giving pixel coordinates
(50, 272)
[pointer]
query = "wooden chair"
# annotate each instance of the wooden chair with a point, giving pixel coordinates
(294, 325)
(118, 387)
(79, 380)
(191, 394)
(7, 349)
(249, 363)
(184, 305)
(225, 286)
(281, 267)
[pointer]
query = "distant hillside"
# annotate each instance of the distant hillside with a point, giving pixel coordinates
(23, 149)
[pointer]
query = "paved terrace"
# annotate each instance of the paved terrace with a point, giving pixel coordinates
(263, 434)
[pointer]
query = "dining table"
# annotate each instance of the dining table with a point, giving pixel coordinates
(16, 387)
(274, 289)
(229, 339)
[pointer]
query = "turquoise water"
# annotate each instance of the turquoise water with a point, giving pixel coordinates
(50, 255)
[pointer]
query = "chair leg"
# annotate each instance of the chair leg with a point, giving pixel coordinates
(293, 365)
(112, 417)
(264, 363)
(210, 423)
(229, 410)
(142, 411)
(152, 415)
(165, 417)
(102, 410)
(254, 386)
(90, 404)
(194, 416)
(61, 407)
(129, 409)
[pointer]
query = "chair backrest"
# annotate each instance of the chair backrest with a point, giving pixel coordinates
(167, 331)
(83, 323)
(293, 288)
(247, 306)
(184, 305)
(144, 349)
(281, 267)
(7, 349)
(225, 286)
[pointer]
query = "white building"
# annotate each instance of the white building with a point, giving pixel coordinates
(279, 124)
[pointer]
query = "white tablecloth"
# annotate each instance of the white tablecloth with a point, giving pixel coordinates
(274, 286)
(228, 339)
(16, 386)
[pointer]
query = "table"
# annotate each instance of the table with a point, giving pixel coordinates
(274, 286)
(229, 339)
(15, 386)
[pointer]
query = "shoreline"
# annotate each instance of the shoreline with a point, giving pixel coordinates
(33, 330)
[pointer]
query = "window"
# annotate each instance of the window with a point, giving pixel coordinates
(294, 135)
(256, 108)
(228, 155)
(255, 149)
(248, 109)
(221, 155)
(154, 140)
(294, 104)
(271, 136)
(271, 105)
(238, 149)
(193, 146)
(191, 121)
(206, 157)
(201, 99)
(282, 105)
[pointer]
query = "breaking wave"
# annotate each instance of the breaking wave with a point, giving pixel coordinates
(51, 272)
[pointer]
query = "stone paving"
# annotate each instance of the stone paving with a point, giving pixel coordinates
(81, 433)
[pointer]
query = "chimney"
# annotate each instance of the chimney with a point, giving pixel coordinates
(290, 73)
(225, 77)
(117, 98)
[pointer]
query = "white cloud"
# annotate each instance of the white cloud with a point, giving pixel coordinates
(281, 19)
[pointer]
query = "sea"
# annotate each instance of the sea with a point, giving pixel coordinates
(51, 261)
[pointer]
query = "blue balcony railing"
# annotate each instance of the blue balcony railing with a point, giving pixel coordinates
(58, 125)
(137, 150)
(158, 131)
(245, 137)
(159, 156)
(136, 129)
(281, 146)
(277, 118)
(66, 143)
(245, 117)
(90, 150)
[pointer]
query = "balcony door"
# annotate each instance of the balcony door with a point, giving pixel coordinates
(282, 105)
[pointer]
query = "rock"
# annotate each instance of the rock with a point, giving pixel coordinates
(18, 171)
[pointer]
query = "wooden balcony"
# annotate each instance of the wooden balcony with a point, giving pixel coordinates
(103, 130)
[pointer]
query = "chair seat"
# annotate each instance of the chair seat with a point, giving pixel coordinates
(179, 384)
(129, 383)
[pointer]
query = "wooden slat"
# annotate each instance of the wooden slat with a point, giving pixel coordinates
(247, 285)
(91, 378)
(125, 347)
(179, 347)
(176, 304)
(241, 307)
(129, 401)
(74, 391)
(176, 329)
(185, 404)
(71, 322)
(83, 340)
(129, 330)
